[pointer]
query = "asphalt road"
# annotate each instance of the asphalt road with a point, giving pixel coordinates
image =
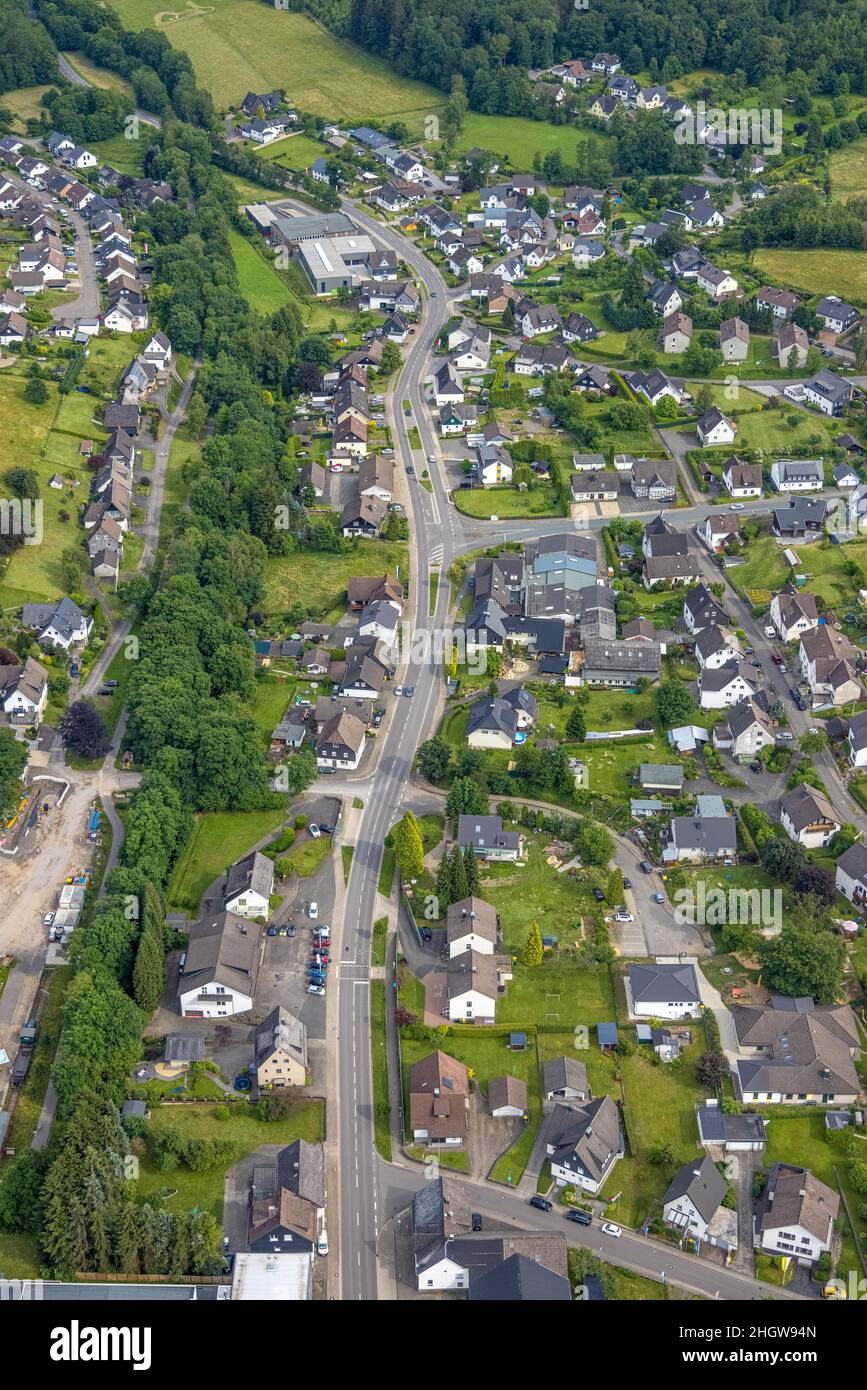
(410, 722)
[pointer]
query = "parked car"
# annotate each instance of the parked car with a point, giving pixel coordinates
(623, 917)
(801, 703)
(795, 693)
(646, 867)
(783, 668)
(398, 690)
(48, 919)
(272, 931)
(315, 989)
(627, 883)
(409, 691)
(610, 1229)
(322, 1244)
(659, 897)
(477, 1221)
(426, 934)
(326, 827)
(313, 911)
(541, 1203)
(756, 767)
(737, 506)
(583, 1218)
(599, 895)
(315, 832)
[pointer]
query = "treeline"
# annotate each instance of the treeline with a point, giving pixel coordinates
(162, 76)
(87, 113)
(801, 217)
(492, 45)
(27, 55)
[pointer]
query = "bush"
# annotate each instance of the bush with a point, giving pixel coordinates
(221, 1112)
(301, 822)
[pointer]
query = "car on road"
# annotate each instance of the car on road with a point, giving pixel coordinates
(756, 767)
(398, 690)
(783, 668)
(322, 1244)
(426, 934)
(48, 919)
(795, 693)
(409, 691)
(769, 631)
(609, 1229)
(599, 895)
(659, 897)
(433, 293)
(410, 470)
(646, 867)
(802, 704)
(583, 1218)
(476, 1221)
(315, 989)
(377, 718)
(738, 506)
(623, 917)
(627, 883)
(540, 1203)
(431, 458)
(313, 911)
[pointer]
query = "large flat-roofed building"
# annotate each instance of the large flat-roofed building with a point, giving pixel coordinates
(330, 263)
(313, 227)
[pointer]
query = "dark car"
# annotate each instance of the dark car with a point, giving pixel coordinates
(477, 1221)
(426, 934)
(802, 704)
(627, 883)
(409, 691)
(583, 1218)
(111, 685)
(599, 895)
(795, 694)
(756, 767)
(541, 1203)
(646, 867)
(410, 470)
(290, 930)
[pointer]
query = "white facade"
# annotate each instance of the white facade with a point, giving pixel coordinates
(472, 1007)
(213, 1001)
(249, 903)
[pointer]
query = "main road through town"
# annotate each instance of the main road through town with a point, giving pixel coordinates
(434, 541)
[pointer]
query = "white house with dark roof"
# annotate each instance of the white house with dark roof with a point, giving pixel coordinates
(715, 429)
(807, 817)
(797, 1215)
(60, 624)
(220, 971)
(793, 612)
(692, 1200)
(851, 874)
(663, 991)
(249, 885)
(583, 1143)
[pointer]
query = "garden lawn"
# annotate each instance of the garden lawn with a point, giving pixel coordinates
(319, 580)
(294, 152)
(508, 501)
(19, 1254)
(205, 1190)
(769, 430)
(238, 46)
(849, 171)
(219, 838)
(307, 857)
(272, 700)
(520, 138)
(535, 892)
(801, 1139)
(765, 567)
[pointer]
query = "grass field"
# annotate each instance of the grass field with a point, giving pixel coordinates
(508, 501)
(295, 152)
(238, 46)
(122, 154)
(217, 841)
(320, 580)
(97, 76)
(769, 430)
(849, 171)
(817, 272)
(260, 284)
(189, 1189)
(520, 138)
(25, 104)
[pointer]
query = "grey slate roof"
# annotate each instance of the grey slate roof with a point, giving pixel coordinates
(664, 984)
(254, 873)
(702, 1183)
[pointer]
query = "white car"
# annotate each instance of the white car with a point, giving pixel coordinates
(610, 1229)
(398, 690)
(431, 458)
(623, 917)
(737, 506)
(322, 1244)
(770, 631)
(315, 832)
(313, 911)
(48, 919)
(315, 989)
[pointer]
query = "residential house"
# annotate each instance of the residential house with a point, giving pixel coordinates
(583, 1143)
(717, 529)
(828, 663)
(693, 1199)
(281, 1051)
(714, 646)
(663, 991)
(249, 885)
(744, 1133)
(619, 663)
(474, 980)
(665, 298)
(472, 925)
(220, 972)
(721, 686)
(791, 346)
(718, 284)
(781, 303)
(829, 393)
(803, 519)
(795, 1052)
(807, 817)
(655, 479)
(439, 1102)
(488, 838)
(798, 475)
(851, 873)
(714, 429)
(797, 1215)
(700, 839)
(676, 334)
(742, 479)
(24, 691)
(734, 340)
(793, 612)
(701, 609)
(746, 732)
(653, 386)
(60, 624)
(837, 316)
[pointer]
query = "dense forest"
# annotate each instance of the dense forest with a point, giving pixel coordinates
(491, 43)
(27, 55)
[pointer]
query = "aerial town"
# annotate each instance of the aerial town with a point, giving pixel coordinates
(433, 657)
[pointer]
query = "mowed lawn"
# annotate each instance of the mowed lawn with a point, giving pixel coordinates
(801, 1139)
(849, 171)
(508, 501)
(295, 152)
(218, 840)
(818, 272)
(260, 284)
(520, 138)
(188, 1189)
(770, 430)
(96, 76)
(238, 46)
(319, 580)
